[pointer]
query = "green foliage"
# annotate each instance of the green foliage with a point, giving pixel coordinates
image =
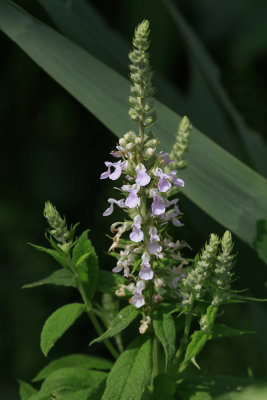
(131, 373)
(86, 262)
(119, 323)
(221, 330)
(164, 327)
(164, 387)
(58, 323)
(72, 361)
(71, 384)
(58, 255)
(61, 277)
(86, 76)
(198, 341)
(25, 390)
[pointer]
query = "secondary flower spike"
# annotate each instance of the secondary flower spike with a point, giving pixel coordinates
(147, 183)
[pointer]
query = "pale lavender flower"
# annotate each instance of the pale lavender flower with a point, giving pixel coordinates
(110, 209)
(142, 178)
(158, 206)
(137, 300)
(176, 181)
(164, 184)
(146, 273)
(137, 235)
(153, 245)
(118, 167)
(132, 200)
(165, 157)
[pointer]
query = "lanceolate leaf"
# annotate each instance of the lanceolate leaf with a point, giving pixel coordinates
(71, 361)
(164, 327)
(119, 323)
(59, 256)
(58, 323)
(218, 183)
(131, 372)
(86, 263)
(198, 341)
(61, 277)
(221, 330)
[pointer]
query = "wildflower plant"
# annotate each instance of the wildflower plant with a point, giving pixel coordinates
(174, 299)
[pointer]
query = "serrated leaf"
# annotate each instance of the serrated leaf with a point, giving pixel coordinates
(119, 323)
(73, 383)
(221, 330)
(71, 361)
(131, 372)
(164, 328)
(164, 387)
(61, 277)
(226, 189)
(85, 259)
(60, 257)
(198, 341)
(58, 323)
(25, 390)
(108, 282)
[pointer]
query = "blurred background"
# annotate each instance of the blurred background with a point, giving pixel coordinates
(52, 148)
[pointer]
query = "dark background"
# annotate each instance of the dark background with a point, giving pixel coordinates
(52, 148)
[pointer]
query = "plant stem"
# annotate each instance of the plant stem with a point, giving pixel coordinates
(89, 311)
(184, 341)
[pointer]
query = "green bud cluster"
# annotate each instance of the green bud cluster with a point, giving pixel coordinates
(196, 278)
(222, 276)
(58, 226)
(141, 103)
(181, 145)
(147, 146)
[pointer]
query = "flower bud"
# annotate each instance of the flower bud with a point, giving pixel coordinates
(129, 146)
(138, 140)
(122, 142)
(150, 152)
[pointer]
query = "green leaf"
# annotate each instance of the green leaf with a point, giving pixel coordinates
(260, 242)
(163, 387)
(119, 323)
(109, 282)
(71, 361)
(73, 383)
(164, 328)
(59, 256)
(226, 189)
(58, 323)
(253, 143)
(198, 341)
(131, 372)
(25, 390)
(221, 330)
(61, 277)
(85, 259)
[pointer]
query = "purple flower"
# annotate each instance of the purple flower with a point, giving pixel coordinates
(137, 300)
(119, 166)
(176, 181)
(153, 246)
(110, 209)
(142, 178)
(164, 184)
(137, 235)
(165, 157)
(158, 206)
(146, 273)
(132, 200)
